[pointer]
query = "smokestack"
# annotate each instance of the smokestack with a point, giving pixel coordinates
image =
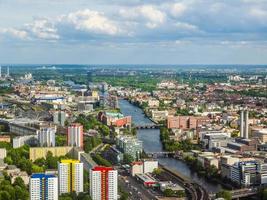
(241, 123)
(246, 124)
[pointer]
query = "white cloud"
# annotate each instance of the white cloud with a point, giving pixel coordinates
(153, 16)
(91, 21)
(186, 26)
(20, 34)
(178, 9)
(42, 29)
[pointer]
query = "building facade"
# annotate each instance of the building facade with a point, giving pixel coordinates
(103, 183)
(43, 187)
(75, 135)
(70, 173)
(46, 136)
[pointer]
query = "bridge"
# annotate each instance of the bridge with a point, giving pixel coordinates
(147, 126)
(246, 192)
(160, 154)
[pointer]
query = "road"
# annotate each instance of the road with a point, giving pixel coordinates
(136, 190)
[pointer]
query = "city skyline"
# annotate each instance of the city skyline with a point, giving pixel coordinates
(133, 32)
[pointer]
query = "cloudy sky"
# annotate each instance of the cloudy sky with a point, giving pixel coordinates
(133, 31)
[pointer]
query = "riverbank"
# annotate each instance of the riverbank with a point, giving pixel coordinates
(151, 143)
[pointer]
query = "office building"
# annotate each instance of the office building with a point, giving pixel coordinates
(46, 136)
(75, 135)
(70, 174)
(249, 173)
(103, 183)
(43, 187)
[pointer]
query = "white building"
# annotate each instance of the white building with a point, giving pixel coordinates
(70, 173)
(43, 187)
(46, 136)
(150, 165)
(75, 135)
(103, 183)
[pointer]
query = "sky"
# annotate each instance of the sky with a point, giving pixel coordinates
(133, 31)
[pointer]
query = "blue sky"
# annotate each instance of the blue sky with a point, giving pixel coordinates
(133, 31)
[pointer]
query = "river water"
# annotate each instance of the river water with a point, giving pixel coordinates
(151, 143)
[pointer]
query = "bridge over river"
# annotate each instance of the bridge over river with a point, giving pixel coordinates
(147, 126)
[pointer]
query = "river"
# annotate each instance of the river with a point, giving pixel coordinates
(151, 143)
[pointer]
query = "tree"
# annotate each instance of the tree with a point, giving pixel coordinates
(21, 194)
(127, 158)
(19, 182)
(224, 194)
(104, 130)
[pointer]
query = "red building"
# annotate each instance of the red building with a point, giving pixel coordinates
(103, 183)
(186, 122)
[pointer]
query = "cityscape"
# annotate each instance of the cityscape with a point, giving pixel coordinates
(133, 100)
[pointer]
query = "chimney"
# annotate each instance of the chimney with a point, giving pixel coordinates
(241, 123)
(246, 124)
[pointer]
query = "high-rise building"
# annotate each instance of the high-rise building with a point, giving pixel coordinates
(43, 187)
(103, 183)
(59, 118)
(46, 136)
(70, 174)
(75, 135)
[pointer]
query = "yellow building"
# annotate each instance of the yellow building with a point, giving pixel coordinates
(41, 152)
(70, 174)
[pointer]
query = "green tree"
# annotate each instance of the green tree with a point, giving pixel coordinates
(21, 194)
(127, 158)
(19, 182)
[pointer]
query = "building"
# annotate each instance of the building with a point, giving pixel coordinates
(159, 115)
(103, 183)
(147, 180)
(130, 145)
(70, 174)
(2, 153)
(143, 167)
(261, 134)
(15, 172)
(153, 103)
(186, 122)
(150, 166)
(43, 187)
(115, 119)
(46, 136)
(59, 118)
(75, 135)
(5, 138)
(41, 152)
(22, 140)
(248, 173)
(137, 168)
(244, 124)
